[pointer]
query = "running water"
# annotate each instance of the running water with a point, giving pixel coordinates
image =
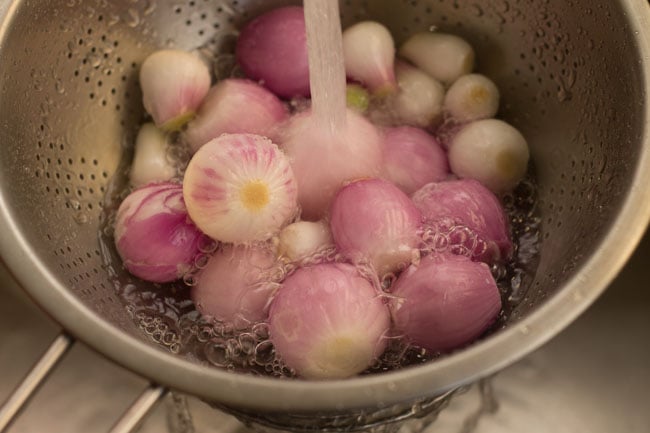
(326, 68)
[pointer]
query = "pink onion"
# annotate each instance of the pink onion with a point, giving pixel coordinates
(373, 220)
(173, 85)
(327, 322)
(240, 188)
(445, 302)
(236, 285)
(471, 216)
(323, 159)
(273, 49)
(413, 158)
(154, 235)
(236, 106)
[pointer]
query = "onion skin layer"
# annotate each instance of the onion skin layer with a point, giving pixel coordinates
(445, 302)
(327, 322)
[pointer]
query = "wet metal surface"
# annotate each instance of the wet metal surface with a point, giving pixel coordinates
(592, 378)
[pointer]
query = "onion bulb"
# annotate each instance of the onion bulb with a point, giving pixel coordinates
(490, 151)
(272, 49)
(327, 322)
(419, 99)
(369, 53)
(173, 85)
(235, 106)
(302, 239)
(466, 204)
(443, 56)
(240, 188)
(373, 220)
(413, 158)
(323, 159)
(150, 162)
(236, 284)
(357, 98)
(154, 235)
(472, 97)
(444, 302)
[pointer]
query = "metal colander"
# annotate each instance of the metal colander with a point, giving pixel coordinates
(574, 79)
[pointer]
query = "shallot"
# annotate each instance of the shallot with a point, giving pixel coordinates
(328, 322)
(443, 56)
(490, 151)
(372, 220)
(444, 302)
(236, 284)
(369, 53)
(235, 106)
(413, 158)
(173, 83)
(240, 188)
(419, 99)
(472, 97)
(150, 161)
(273, 49)
(303, 238)
(483, 233)
(154, 235)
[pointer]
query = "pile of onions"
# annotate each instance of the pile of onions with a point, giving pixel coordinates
(325, 237)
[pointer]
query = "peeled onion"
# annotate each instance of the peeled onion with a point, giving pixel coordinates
(369, 53)
(240, 188)
(173, 85)
(373, 220)
(419, 99)
(150, 161)
(236, 106)
(444, 302)
(272, 48)
(323, 159)
(472, 97)
(492, 152)
(303, 238)
(471, 214)
(154, 235)
(413, 158)
(327, 322)
(443, 56)
(236, 284)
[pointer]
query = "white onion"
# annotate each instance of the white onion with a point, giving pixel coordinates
(235, 106)
(272, 49)
(472, 97)
(327, 322)
(490, 151)
(413, 158)
(369, 53)
(470, 214)
(150, 162)
(240, 188)
(419, 99)
(322, 159)
(373, 220)
(302, 239)
(443, 56)
(173, 85)
(154, 235)
(445, 302)
(236, 284)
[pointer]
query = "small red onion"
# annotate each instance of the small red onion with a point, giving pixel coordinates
(445, 302)
(373, 220)
(273, 49)
(237, 284)
(469, 204)
(235, 106)
(154, 235)
(327, 322)
(323, 159)
(413, 158)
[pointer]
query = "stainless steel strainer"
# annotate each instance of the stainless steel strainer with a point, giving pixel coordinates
(574, 77)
